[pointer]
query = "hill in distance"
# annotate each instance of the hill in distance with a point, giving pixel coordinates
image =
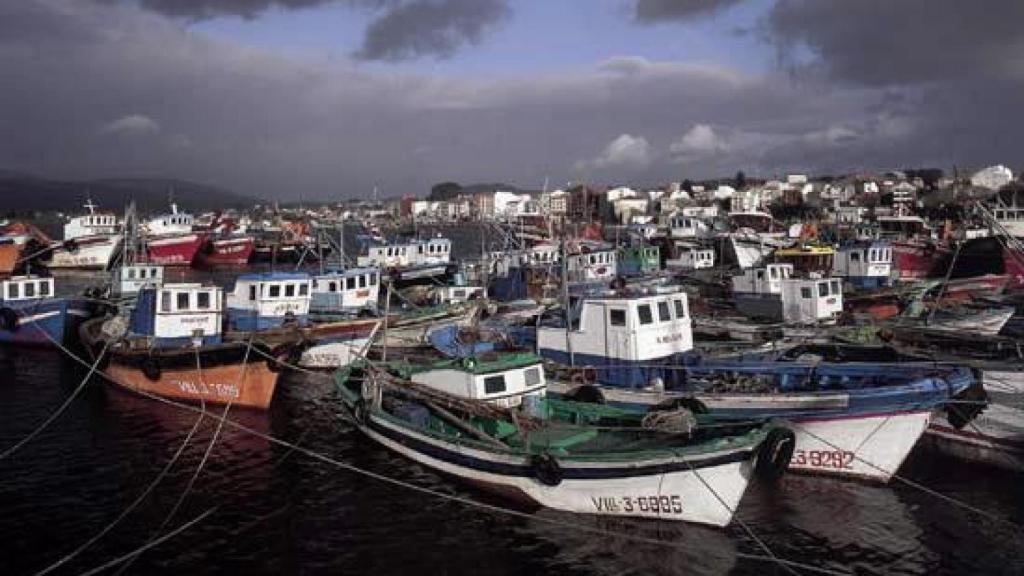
(23, 194)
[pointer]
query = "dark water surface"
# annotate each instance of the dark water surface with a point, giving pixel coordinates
(284, 512)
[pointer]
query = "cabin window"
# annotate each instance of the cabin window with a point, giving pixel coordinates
(289, 290)
(854, 256)
(182, 300)
(835, 287)
(332, 286)
(12, 291)
(494, 384)
(823, 289)
(774, 273)
(350, 283)
(760, 274)
(617, 317)
(252, 292)
(165, 301)
(373, 279)
(131, 274)
(275, 290)
(203, 300)
(44, 288)
(644, 312)
(680, 308)
(532, 376)
(30, 290)
(664, 314)
(303, 289)
(458, 294)
(805, 293)
(362, 281)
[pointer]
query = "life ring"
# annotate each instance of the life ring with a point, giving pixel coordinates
(545, 469)
(8, 319)
(774, 454)
(71, 246)
(151, 369)
(586, 393)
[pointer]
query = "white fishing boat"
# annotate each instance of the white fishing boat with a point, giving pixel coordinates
(772, 293)
(91, 241)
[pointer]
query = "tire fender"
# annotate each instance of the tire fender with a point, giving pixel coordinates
(774, 454)
(545, 469)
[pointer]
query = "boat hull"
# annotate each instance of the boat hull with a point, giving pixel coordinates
(239, 383)
(226, 252)
(179, 250)
(42, 323)
(669, 492)
(86, 253)
(331, 355)
(10, 252)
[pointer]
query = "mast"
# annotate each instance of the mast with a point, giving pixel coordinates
(565, 297)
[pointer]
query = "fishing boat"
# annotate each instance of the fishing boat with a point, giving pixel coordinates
(352, 291)
(91, 241)
(225, 250)
(273, 309)
(690, 256)
(974, 320)
(773, 293)
(31, 314)
(638, 260)
(410, 262)
(170, 343)
(569, 456)
(169, 239)
(592, 263)
(127, 279)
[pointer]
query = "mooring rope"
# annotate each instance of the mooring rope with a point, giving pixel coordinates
(414, 488)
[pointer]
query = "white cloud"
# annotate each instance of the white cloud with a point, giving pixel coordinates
(626, 151)
(701, 139)
(131, 125)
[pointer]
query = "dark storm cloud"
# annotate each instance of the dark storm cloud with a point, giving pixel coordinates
(882, 42)
(650, 11)
(430, 27)
(205, 9)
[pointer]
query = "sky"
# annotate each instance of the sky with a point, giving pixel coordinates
(327, 99)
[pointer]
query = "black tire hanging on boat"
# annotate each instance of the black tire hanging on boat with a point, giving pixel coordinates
(691, 404)
(774, 454)
(587, 393)
(151, 368)
(545, 469)
(8, 319)
(71, 246)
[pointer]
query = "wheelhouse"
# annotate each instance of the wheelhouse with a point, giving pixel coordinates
(866, 265)
(26, 288)
(692, 258)
(639, 260)
(179, 314)
(767, 280)
(416, 253)
(129, 279)
(503, 382)
(351, 290)
(593, 265)
(269, 300)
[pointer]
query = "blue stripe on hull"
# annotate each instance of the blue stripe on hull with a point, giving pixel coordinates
(248, 321)
(625, 373)
(61, 327)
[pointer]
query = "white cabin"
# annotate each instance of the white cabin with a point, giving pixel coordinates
(688, 227)
(620, 330)
(347, 291)
(179, 314)
(129, 279)
(23, 288)
(692, 258)
(866, 265)
(767, 280)
(811, 301)
(593, 266)
(91, 224)
(415, 253)
(269, 300)
(505, 388)
(173, 223)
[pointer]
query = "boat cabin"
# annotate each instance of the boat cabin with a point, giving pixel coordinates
(865, 264)
(807, 258)
(503, 381)
(767, 280)
(26, 288)
(761, 222)
(127, 280)
(173, 223)
(91, 224)
(771, 293)
(903, 226)
(1009, 212)
(459, 291)
(178, 315)
(692, 258)
(638, 260)
(269, 300)
(592, 266)
(415, 253)
(683, 226)
(347, 291)
(621, 335)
